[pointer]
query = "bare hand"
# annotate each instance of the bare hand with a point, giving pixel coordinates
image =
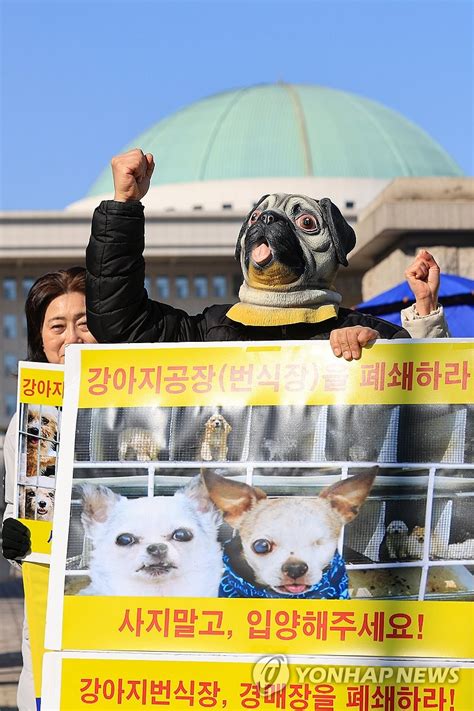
(132, 173)
(349, 341)
(423, 277)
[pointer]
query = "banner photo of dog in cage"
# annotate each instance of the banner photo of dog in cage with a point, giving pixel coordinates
(40, 395)
(263, 477)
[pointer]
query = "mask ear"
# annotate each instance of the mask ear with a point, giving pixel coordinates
(342, 234)
(244, 227)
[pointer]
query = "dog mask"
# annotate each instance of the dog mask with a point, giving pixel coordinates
(290, 248)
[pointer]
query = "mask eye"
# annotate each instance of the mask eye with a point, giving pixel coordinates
(183, 535)
(262, 546)
(125, 539)
(254, 216)
(307, 223)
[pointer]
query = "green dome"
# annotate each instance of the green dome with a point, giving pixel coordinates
(285, 130)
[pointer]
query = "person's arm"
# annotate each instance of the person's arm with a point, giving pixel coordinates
(425, 318)
(118, 307)
(9, 449)
(15, 535)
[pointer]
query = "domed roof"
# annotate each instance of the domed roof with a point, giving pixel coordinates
(286, 130)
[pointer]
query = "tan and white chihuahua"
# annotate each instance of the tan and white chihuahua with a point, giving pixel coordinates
(286, 546)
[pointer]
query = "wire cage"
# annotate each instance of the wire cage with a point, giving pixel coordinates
(414, 536)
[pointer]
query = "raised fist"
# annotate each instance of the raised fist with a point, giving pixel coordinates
(132, 173)
(423, 277)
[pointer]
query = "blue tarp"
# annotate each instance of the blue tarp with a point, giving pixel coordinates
(455, 293)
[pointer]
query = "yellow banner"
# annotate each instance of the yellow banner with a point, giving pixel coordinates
(41, 387)
(133, 684)
(277, 374)
(35, 583)
(41, 535)
(359, 627)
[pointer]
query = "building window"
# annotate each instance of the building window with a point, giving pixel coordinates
(10, 404)
(9, 289)
(350, 204)
(219, 286)
(9, 326)
(148, 284)
(10, 364)
(24, 326)
(200, 287)
(163, 288)
(227, 206)
(26, 285)
(182, 287)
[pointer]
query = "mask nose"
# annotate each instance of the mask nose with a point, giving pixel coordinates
(295, 569)
(157, 550)
(269, 217)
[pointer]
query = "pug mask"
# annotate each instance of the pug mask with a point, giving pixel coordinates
(290, 248)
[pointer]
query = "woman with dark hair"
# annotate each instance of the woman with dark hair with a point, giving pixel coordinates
(56, 299)
(55, 316)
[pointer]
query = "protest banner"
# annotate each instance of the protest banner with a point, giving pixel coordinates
(40, 395)
(122, 681)
(263, 499)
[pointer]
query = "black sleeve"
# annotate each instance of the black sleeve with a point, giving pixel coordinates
(118, 307)
(349, 317)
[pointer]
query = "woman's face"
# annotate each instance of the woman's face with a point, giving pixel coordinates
(64, 323)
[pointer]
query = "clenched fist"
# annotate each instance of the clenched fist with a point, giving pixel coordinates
(132, 173)
(423, 277)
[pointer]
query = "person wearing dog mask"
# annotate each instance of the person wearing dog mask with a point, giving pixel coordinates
(290, 248)
(55, 312)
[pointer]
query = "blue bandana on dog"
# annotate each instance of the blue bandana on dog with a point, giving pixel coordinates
(334, 584)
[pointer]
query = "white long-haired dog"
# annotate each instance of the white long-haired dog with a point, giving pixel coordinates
(161, 546)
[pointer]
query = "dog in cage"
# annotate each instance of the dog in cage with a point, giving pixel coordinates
(41, 441)
(37, 504)
(396, 540)
(214, 446)
(141, 432)
(138, 444)
(416, 541)
(286, 546)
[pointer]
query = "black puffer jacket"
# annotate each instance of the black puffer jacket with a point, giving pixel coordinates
(119, 310)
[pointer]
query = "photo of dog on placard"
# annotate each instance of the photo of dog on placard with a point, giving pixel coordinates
(39, 438)
(171, 545)
(150, 545)
(36, 503)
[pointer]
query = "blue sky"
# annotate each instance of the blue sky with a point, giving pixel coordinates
(81, 79)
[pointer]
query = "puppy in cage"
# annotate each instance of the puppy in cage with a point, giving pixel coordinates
(41, 441)
(142, 432)
(37, 503)
(138, 445)
(396, 540)
(214, 446)
(286, 546)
